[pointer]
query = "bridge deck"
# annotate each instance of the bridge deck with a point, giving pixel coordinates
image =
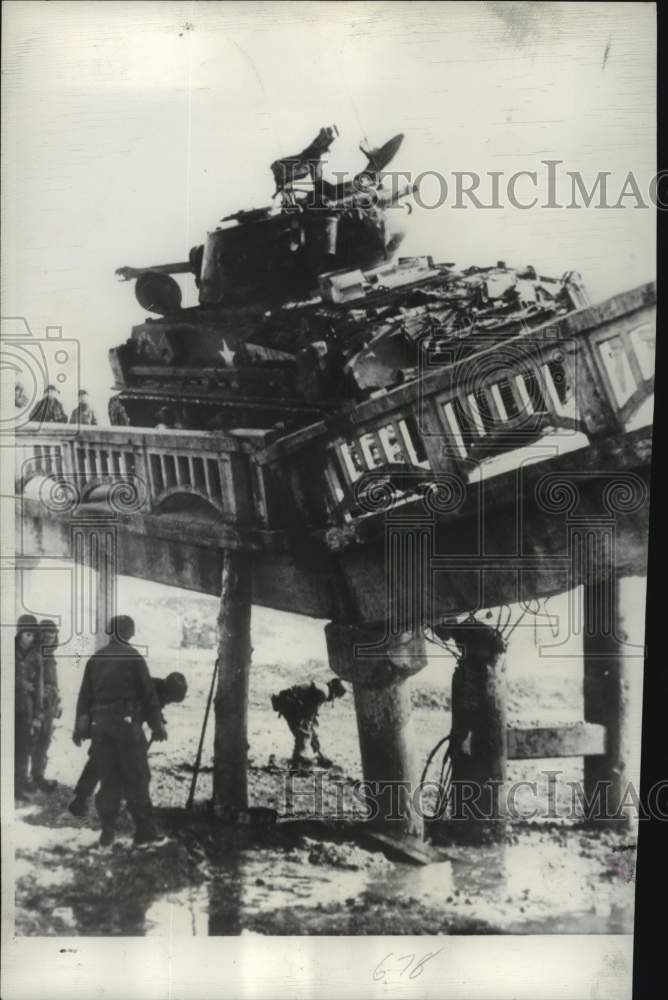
(494, 456)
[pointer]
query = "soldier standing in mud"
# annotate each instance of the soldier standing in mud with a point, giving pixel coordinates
(299, 706)
(170, 690)
(28, 696)
(116, 696)
(50, 709)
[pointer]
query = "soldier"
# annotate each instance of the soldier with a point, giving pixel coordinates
(49, 409)
(118, 415)
(163, 418)
(83, 413)
(27, 698)
(299, 706)
(50, 709)
(169, 690)
(116, 696)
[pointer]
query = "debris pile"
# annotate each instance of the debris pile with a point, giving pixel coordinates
(375, 330)
(346, 855)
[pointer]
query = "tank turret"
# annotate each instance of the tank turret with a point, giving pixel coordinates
(277, 253)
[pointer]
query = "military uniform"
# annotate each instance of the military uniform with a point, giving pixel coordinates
(49, 411)
(117, 413)
(83, 414)
(299, 706)
(50, 711)
(89, 777)
(28, 697)
(116, 695)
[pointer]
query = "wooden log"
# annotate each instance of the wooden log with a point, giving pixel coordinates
(581, 739)
(230, 753)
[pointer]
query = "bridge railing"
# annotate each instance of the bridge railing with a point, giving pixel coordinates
(163, 467)
(586, 375)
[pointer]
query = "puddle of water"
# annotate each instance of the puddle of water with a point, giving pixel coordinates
(532, 887)
(528, 885)
(258, 885)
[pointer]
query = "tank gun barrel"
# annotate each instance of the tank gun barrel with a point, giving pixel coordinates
(128, 273)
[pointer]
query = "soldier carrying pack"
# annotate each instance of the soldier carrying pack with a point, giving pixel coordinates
(299, 705)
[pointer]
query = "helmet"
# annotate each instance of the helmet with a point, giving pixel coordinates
(336, 688)
(122, 626)
(176, 687)
(26, 623)
(47, 626)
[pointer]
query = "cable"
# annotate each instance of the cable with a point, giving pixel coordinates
(444, 781)
(433, 638)
(432, 755)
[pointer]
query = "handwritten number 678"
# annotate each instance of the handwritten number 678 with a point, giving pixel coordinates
(407, 965)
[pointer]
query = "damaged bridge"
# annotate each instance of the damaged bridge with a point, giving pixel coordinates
(518, 471)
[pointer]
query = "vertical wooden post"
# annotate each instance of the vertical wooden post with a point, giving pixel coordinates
(478, 737)
(613, 638)
(230, 753)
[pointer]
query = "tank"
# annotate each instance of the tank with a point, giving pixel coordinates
(304, 307)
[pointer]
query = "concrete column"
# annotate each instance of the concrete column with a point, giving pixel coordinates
(230, 753)
(478, 736)
(383, 709)
(613, 649)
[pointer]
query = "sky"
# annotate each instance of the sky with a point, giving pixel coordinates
(130, 129)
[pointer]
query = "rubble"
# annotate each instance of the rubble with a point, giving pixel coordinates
(413, 315)
(345, 856)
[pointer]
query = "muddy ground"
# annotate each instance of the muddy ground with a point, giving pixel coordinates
(553, 874)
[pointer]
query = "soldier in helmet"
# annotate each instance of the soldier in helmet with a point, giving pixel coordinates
(28, 688)
(50, 708)
(118, 415)
(169, 690)
(115, 698)
(299, 705)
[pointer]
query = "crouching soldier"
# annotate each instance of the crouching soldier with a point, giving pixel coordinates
(27, 701)
(299, 706)
(116, 696)
(170, 690)
(50, 708)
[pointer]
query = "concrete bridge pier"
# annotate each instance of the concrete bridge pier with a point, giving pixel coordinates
(613, 648)
(230, 765)
(478, 735)
(378, 666)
